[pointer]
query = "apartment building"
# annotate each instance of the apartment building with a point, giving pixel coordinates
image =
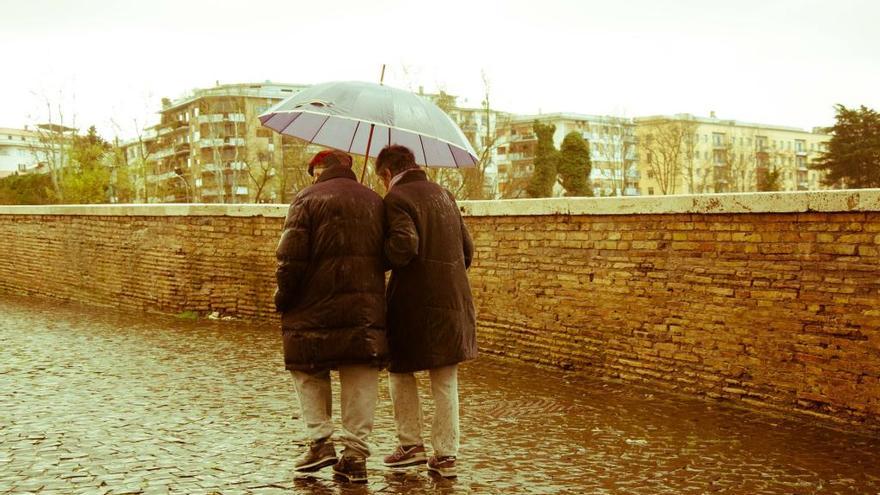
(685, 154)
(209, 147)
(481, 126)
(29, 150)
(612, 145)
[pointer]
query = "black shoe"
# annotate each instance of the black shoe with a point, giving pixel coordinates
(351, 467)
(321, 454)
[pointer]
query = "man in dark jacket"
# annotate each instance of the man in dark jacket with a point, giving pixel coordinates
(331, 295)
(430, 310)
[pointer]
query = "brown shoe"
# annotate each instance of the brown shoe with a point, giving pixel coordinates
(406, 455)
(444, 466)
(352, 468)
(321, 454)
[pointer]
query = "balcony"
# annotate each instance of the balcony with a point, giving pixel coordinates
(218, 142)
(522, 137)
(162, 153)
(211, 167)
(161, 177)
(220, 117)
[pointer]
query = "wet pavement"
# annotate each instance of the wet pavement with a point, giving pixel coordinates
(102, 402)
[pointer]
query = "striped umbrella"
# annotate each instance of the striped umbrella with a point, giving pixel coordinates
(362, 118)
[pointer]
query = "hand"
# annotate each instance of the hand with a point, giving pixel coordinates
(280, 303)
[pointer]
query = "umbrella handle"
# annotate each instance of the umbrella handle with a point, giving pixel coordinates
(367, 154)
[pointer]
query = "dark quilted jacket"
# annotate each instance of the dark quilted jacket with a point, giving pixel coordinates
(331, 275)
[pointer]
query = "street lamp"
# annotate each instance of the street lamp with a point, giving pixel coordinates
(179, 174)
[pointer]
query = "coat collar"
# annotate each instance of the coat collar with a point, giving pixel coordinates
(412, 175)
(335, 173)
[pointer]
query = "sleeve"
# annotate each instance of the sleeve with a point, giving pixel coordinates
(402, 237)
(292, 255)
(467, 243)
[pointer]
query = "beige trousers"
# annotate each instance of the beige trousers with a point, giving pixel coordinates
(408, 409)
(359, 386)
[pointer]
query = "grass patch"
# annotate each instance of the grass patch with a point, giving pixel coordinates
(188, 315)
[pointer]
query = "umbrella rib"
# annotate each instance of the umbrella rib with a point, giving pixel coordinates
(290, 123)
(424, 155)
(454, 160)
(319, 129)
(353, 134)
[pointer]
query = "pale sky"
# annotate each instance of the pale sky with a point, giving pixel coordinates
(108, 62)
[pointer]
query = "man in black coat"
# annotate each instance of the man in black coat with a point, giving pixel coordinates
(430, 311)
(331, 282)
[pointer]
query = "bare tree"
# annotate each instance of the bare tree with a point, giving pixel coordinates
(691, 164)
(139, 165)
(223, 116)
(260, 171)
(663, 146)
(52, 148)
(739, 158)
(483, 128)
(295, 155)
(616, 150)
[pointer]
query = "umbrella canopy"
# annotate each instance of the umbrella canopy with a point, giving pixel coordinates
(362, 118)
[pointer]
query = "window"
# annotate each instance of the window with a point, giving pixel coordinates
(717, 139)
(651, 191)
(650, 174)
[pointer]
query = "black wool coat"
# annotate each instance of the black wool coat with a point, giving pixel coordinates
(331, 276)
(431, 320)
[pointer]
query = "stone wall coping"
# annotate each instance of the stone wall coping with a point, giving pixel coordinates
(856, 200)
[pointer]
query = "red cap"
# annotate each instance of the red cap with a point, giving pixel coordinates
(329, 158)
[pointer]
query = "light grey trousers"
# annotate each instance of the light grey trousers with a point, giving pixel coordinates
(408, 409)
(359, 386)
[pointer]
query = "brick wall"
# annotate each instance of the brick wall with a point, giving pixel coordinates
(771, 300)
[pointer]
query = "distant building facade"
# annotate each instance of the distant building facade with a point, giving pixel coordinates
(483, 128)
(684, 154)
(19, 151)
(612, 145)
(209, 147)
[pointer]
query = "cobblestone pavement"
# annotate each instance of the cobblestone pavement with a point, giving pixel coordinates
(102, 402)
